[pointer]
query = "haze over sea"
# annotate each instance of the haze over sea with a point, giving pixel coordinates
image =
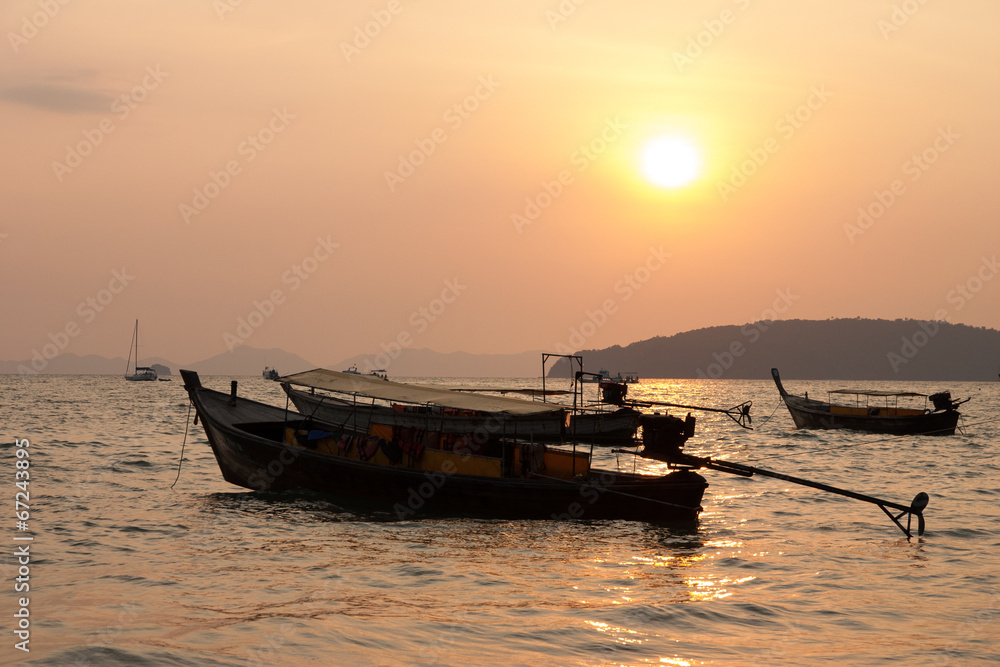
(127, 571)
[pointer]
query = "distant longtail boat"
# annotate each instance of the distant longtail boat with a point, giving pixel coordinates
(891, 419)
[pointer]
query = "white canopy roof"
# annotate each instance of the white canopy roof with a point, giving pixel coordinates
(873, 392)
(374, 387)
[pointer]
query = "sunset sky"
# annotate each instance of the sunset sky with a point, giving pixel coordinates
(329, 178)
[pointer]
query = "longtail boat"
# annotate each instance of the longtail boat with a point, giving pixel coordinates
(408, 470)
(878, 413)
(359, 400)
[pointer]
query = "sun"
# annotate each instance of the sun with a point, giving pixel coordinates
(671, 162)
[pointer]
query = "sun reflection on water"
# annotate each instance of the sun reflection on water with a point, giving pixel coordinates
(622, 636)
(703, 590)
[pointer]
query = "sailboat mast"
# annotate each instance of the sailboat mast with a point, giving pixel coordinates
(135, 340)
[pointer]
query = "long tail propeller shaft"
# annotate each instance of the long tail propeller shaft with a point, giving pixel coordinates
(914, 509)
(738, 413)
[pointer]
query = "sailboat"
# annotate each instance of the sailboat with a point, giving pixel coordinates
(139, 373)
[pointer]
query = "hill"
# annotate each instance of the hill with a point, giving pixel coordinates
(244, 360)
(836, 349)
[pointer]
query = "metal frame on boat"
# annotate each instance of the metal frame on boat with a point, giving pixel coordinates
(890, 419)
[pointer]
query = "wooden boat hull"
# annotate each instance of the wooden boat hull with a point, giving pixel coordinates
(245, 437)
(618, 427)
(811, 414)
(817, 415)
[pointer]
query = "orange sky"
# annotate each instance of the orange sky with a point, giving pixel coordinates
(191, 163)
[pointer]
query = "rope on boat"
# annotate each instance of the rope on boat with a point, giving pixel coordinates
(768, 418)
(630, 495)
(183, 444)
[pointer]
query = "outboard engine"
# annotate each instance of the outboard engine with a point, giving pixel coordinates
(613, 392)
(942, 401)
(663, 436)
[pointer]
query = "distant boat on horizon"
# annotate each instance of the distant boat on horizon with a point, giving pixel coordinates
(139, 373)
(602, 375)
(380, 373)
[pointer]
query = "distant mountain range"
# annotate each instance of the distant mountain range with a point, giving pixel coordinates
(241, 361)
(836, 349)
(245, 360)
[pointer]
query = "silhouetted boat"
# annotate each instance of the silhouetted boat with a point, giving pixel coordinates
(139, 373)
(270, 373)
(599, 376)
(407, 470)
(891, 419)
(450, 411)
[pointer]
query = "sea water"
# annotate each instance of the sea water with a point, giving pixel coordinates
(125, 570)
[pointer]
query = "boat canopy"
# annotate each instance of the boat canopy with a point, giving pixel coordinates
(872, 392)
(374, 387)
(526, 390)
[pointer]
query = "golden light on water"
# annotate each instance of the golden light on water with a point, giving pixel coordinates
(621, 635)
(703, 590)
